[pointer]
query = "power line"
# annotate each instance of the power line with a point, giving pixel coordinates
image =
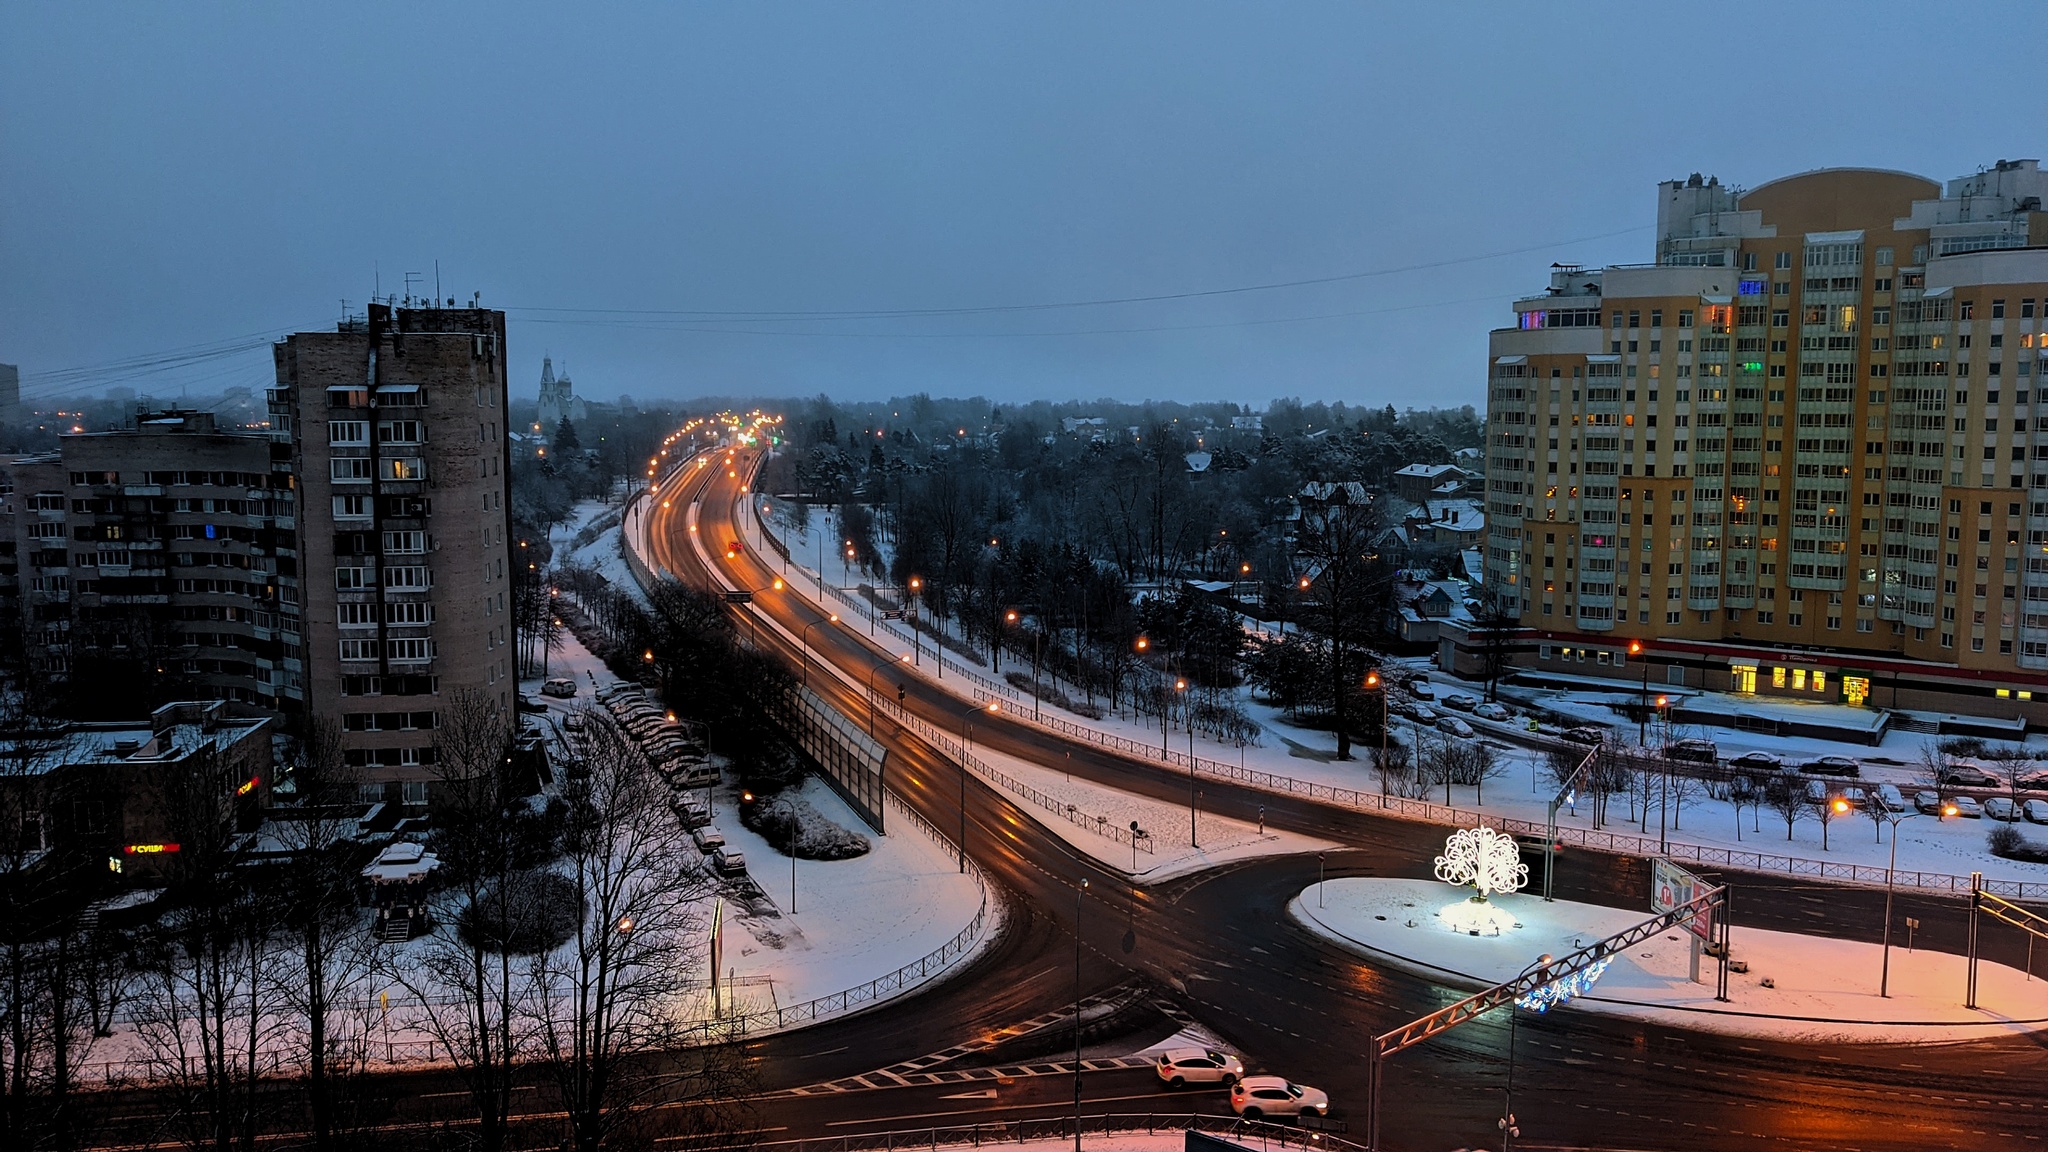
(769, 316)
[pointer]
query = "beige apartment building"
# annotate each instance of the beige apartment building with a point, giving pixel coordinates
(395, 427)
(1801, 454)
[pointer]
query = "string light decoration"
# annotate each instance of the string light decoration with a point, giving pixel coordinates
(1482, 858)
(1547, 996)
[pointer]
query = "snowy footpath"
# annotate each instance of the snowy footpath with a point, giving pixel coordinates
(1797, 987)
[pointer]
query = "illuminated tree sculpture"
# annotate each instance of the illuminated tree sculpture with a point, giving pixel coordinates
(1483, 858)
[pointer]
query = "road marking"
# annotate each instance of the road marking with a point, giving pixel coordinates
(984, 1094)
(997, 1108)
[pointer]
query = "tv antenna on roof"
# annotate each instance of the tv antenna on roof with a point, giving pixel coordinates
(409, 278)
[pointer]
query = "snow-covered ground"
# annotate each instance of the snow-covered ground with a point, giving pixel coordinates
(1824, 989)
(1953, 847)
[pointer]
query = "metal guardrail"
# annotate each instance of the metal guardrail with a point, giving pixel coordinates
(1047, 1128)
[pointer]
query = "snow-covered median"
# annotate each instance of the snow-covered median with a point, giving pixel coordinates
(1824, 989)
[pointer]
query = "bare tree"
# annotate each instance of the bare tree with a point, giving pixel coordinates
(616, 985)
(1743, 791)
(205, 1010)
(332, 951)
(1684, 788)
(1931, 773)
(1484, 763)
(1393, 764)
(1347, 597)
(1785, 794)
(2011, 764)
(472, 991)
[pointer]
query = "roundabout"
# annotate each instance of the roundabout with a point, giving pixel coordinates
(1796, 987)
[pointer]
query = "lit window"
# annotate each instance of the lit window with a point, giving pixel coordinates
(1820, 680)
(1799, 679)
(1777, 677)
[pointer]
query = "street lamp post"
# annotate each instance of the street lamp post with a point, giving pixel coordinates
(1079, 892)
(1181, 687)
(1374, 683)
(877, 666)
(832, 618)
(910, 591)
(1635, 648)
(1508, 1129)
(966, 750)
(1037, 647)
(789, 807)
(1884, 979)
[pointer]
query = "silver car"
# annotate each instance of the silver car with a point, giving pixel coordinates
(1257, 1097)
(1178, 1066)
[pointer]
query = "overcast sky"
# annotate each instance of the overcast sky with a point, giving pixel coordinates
(174, 175)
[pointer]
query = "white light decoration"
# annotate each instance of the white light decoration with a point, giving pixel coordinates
(1544, 997)
(1482, 858)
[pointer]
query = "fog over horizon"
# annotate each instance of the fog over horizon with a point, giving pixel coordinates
(1060, 201)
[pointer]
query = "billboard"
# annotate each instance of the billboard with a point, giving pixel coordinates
(1674, 887)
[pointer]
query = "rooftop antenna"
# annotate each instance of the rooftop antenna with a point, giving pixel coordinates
(377, 271)
(409, 278)
(437, 283)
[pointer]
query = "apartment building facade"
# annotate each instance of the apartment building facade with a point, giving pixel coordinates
(148, 566)
(1801, 454)
(394, 425)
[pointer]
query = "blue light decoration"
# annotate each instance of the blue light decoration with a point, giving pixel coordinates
(1545, 997)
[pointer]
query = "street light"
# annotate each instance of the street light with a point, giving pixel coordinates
(1373, 683)
(1037, 646)
(1181, 686)
(1884, 812)
(875, 667)
(1635, 648)
(789, 807)
(1508, 1128)
(1078, 893)
(966, 750)
(832, 619)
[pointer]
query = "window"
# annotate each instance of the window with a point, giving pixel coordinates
(354, 579)
(403, 468)
(355, 615)
(414, 650)
(407, 577)
(349, 470)
(405, 543)
(348, 431)
(401, 432)
(351, 507)
(358, 649)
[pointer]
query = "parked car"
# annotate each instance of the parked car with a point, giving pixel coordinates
(530, 706)
(1968, 776)
(1927, 802)
(561, 687)
(1967, 806)
(2036, 811)
(1461, 702)
(727, 862)
(1758, 761)
(1696, 751)
(689, 813)
(1832, 766)
(2033, 782)
(2001, 808)
(1492, 711)
(1420, 689)
(1888, 796)
(1423, 713)
(1178, 1066)
(616, 689)
(1257, 1097)
(1585, 734)
(1455, 727)
(708, 840)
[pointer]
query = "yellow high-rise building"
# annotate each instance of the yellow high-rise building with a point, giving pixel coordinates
(1801, 454)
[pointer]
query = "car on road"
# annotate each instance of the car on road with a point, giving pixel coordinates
(1257, 1097)
(1695, 751)
(1967, 806)
(1832, 766)
(1968, 776)
(1492, 711)
(1178, 1066)
(1757, 761)
(1585, 734)
(561, 687)
(1461, 702)
(1453, 726)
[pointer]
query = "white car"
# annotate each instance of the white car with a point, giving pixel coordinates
(1461, 702)
(1492, 711)
(1178, 1066)
(1888, 795)
(1422, 712)
(2036, 811)
(1967, 806)
(1257, 1097)
(1455, 727)
(2001, 808)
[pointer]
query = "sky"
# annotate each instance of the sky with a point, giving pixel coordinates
(882, 198)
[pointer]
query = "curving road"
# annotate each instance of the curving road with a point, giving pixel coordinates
(1221, 942)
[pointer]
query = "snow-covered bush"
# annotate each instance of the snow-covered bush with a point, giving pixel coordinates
(817, 838)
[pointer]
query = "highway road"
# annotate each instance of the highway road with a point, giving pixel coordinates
(1220, 945)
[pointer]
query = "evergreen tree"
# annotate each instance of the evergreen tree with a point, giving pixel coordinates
(565, 437)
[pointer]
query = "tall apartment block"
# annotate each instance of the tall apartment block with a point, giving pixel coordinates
(395, 428)
(148, 565)
(1803, 453)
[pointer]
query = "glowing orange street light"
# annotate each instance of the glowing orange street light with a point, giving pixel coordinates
(1372, 679)
(1839, 805)
(1143, 643)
